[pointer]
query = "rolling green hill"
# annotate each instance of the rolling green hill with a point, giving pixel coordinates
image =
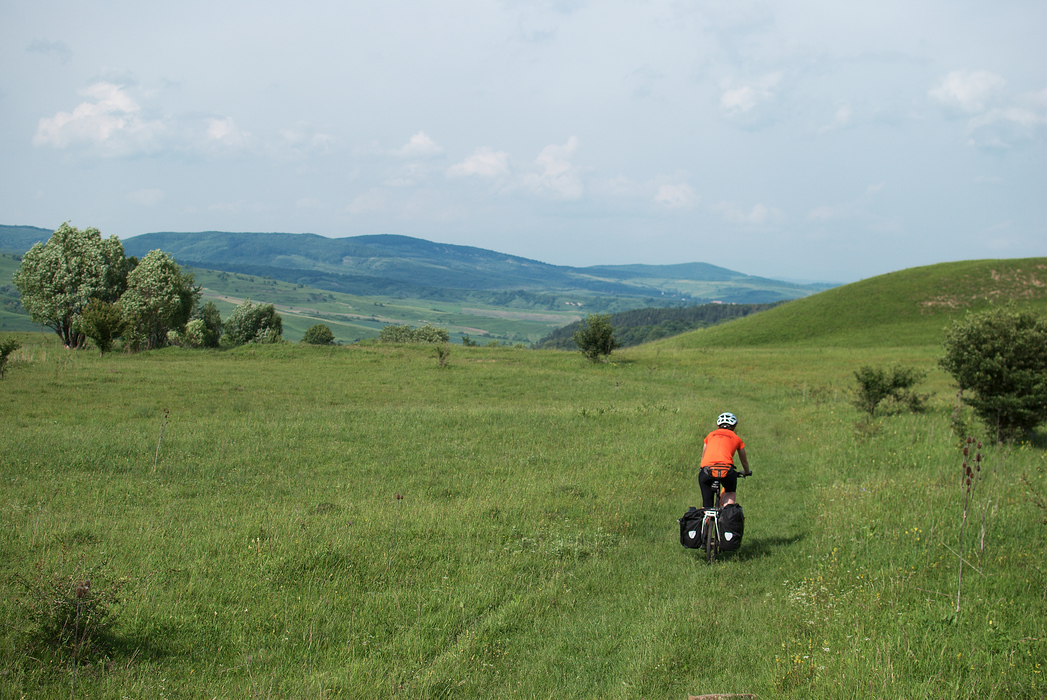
(386, 264)
(15, 240)
(909, 307)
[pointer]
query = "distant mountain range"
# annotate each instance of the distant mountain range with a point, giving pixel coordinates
(391, 265)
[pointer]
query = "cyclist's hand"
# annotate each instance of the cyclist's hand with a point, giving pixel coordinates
(748, 473)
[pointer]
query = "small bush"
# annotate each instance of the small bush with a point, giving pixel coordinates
(596, 337)
(69, 618)
(103, 323)
(319, 334)
(250, 323)
(405, 334)
(6, 348)
(443, 354)
(999, 360)
(876, 385)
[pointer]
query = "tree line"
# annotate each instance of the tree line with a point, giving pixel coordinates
(82, 286)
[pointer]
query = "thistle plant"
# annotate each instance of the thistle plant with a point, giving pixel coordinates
(970, 479)
(163, 425)
(442, 354)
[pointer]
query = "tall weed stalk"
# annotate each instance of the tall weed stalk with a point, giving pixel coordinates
(970, 478)
(163, 426)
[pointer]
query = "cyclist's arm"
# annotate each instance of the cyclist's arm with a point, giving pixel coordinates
(745, 460)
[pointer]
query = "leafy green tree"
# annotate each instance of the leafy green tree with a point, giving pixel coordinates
(253, 323)
(159, 299)
(319, 334)
(102, 322)
(59, 278)
(595, 338)
(1001, 356)
(211, 318)
(876, 384)
(6, 348)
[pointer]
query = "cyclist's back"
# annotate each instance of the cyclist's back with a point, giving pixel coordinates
(717, 461)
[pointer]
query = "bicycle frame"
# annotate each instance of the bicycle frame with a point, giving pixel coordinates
(711, 525)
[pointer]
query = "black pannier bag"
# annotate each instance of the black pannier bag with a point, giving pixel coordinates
(732, 525)
(691, 528)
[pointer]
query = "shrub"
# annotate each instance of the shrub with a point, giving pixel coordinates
(443, 354)
(251, 323)
(6, 348)
(69, 618)
(876, 384)
(431, 334)
(319, 334)
(211, 334)
(405, 334)
(103, 323)
(596, 337)
(1001, 356)
(193, 337)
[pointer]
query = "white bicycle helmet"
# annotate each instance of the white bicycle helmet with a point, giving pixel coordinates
(726, 420)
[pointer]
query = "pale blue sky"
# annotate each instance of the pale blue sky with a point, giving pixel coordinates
(812, 140)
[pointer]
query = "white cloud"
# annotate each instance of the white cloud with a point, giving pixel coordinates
(225, 134)
(968, 92)
(558, 178)
(759, 214)
(678, 196)
(1001, 129)
(419, 146)
(995, 121)
(110, 121)
(741, 100)
(483, 163)
(301, 140)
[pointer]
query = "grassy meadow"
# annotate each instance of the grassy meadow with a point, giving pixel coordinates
(347, 522)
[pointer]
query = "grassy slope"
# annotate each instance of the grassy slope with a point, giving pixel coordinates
(909, 307)
(534, 553)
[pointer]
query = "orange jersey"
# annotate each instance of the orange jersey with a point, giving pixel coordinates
(720, 446)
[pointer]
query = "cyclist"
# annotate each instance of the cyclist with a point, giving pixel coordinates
(718, 460)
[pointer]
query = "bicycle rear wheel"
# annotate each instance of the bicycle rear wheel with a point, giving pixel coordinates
(710, 541)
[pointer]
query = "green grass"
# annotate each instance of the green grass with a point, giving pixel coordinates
(534, 552)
